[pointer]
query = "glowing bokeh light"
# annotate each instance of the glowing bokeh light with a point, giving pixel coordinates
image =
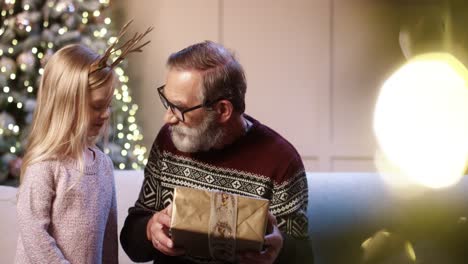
(421, 120)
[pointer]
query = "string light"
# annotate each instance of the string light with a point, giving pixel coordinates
(127, 130)
(120, 72)
(127, 99)
(62, 30)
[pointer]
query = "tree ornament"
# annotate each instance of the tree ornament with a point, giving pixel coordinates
(14, 167)
(61, 8)
(7, 66)
(48, 53)
(26, 61)
(6, 119)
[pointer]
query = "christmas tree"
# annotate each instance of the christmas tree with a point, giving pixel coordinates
(30, 32)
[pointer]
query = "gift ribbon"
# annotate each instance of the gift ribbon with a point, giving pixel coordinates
(223, 224)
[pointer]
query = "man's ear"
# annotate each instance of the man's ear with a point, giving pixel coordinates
(224, 108)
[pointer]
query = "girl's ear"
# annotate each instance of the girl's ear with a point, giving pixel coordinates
(224, 109)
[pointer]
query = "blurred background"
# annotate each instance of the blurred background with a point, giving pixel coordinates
(314, 67)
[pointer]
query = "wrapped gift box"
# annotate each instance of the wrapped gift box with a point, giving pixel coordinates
(216, 224)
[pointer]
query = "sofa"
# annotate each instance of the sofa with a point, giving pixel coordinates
(353, 218)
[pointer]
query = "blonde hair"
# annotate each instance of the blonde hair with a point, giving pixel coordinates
(62, 115)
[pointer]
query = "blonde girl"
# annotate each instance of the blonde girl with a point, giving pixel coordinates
(66, 204)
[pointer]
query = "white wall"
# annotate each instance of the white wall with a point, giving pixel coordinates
(313, 67)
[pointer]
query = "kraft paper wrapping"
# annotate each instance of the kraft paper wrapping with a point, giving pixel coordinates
(215, 224)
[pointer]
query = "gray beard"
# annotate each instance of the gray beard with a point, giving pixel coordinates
(201, 138)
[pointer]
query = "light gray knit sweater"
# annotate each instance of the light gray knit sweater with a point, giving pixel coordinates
(76, 226)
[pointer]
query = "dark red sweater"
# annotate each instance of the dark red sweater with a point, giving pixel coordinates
(260, 164)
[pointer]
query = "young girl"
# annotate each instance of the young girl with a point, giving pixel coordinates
(66, 204)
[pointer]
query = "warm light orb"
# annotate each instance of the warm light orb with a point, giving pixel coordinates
(421, 120)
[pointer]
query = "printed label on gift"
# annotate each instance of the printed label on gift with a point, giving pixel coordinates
(222, 230)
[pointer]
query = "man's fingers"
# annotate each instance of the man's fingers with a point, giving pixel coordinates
(163, 219)
(272, 219)
(167, 250)
(169, 210)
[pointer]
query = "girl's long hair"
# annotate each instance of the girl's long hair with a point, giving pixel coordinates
(61, 119)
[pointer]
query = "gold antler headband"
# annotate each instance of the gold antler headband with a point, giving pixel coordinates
(128, 47)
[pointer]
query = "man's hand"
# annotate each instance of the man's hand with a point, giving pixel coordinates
(273, 245)
(157, 231)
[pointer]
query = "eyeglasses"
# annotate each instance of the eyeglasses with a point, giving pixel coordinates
(176, 110)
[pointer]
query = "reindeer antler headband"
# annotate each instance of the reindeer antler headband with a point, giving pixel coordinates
(128, 47)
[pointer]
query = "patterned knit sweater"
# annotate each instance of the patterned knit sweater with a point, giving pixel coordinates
(259, 164)
(62, 225)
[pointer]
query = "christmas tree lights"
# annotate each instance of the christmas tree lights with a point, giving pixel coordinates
(30, 32)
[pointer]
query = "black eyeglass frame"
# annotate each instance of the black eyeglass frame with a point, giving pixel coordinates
(167, 104)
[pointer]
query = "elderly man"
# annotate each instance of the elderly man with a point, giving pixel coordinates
(209, 143)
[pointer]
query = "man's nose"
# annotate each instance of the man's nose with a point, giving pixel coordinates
(170, 118)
